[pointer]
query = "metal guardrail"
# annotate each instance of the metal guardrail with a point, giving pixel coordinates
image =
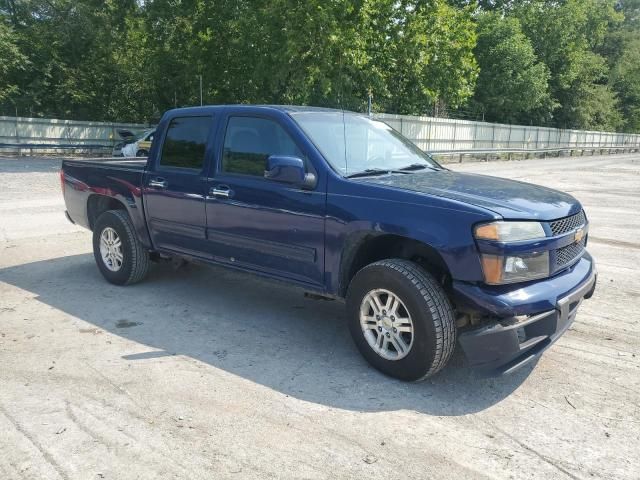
(22, 135)
(477, 153)
(52, 146)
(444, 136)
(431, 133)
(19, 148)
(527, 152)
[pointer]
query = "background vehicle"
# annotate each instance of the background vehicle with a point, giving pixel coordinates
(127, 137)
(139, 147)
(347, 208)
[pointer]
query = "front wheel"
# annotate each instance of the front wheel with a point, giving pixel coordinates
(120, 256)
(401, 319)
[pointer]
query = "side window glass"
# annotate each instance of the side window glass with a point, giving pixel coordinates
(249, 141)
(185, 143)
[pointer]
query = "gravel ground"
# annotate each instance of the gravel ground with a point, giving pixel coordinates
(206, 373)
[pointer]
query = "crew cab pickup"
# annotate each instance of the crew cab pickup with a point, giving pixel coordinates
(347, 208)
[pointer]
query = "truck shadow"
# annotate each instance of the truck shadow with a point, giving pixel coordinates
(262, 331)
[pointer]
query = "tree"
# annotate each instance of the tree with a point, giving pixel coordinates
(625, 80)
(423, 51)
(69, 47)
(566, 36)
(569, 63)
(408, 53)
(513, 84)
(12, 64)
(622, 50)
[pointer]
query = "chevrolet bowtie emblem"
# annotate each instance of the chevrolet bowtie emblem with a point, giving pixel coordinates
(579, 235)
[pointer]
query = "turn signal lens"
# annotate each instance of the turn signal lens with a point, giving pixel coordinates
(488, 231)
(492, 268)
(512, 269)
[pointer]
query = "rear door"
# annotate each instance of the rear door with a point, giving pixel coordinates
(175, 185)
(257, 223)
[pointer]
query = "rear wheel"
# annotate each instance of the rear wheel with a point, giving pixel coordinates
(120, 256)
(401, 319)
(142, 153)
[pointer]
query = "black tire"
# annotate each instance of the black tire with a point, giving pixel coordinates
(142, 153)
(135, 258)
(434, 335)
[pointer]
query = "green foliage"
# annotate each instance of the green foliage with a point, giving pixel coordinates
(572, 63)
(321, 53)
(425, 53)
(566, 37)
(504, 52)
(12, 64)
(69, 47)
(622, 50)
(128, 60)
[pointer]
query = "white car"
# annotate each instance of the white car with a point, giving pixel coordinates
(141, 147)
(127, 136)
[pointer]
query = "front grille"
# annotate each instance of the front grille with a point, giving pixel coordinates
(567, 224)
(566, 255)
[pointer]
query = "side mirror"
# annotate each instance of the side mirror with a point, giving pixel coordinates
(289, 170)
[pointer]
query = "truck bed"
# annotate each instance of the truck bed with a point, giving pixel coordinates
(93, 184)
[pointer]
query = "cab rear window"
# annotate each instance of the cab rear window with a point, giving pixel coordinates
(186, 142)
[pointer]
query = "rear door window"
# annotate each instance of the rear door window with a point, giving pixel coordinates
(186, 142)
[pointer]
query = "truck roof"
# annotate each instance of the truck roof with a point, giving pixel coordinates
(283, 108)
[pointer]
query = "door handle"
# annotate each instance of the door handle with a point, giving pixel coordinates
(158, 183)
(221, 191)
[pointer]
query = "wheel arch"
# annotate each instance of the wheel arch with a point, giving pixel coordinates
(98, 204)
(367, 248)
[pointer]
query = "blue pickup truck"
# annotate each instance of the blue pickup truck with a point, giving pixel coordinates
(347, 208)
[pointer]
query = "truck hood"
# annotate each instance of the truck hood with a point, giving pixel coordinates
(509, 198)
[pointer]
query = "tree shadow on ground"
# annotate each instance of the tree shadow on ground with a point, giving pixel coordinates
(260, 330)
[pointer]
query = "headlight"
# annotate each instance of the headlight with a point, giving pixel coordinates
(504, 231)
(511, 269)
(500, 269)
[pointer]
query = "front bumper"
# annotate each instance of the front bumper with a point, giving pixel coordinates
(515, 340)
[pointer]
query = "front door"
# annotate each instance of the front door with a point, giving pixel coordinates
(260, 224)
(175, 186)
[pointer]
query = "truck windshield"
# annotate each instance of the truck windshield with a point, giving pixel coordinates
(355, 144)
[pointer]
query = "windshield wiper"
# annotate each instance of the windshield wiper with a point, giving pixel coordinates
(386, 171)
(369, 172)
(416, 166)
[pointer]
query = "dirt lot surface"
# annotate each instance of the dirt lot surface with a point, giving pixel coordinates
(206, 373)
